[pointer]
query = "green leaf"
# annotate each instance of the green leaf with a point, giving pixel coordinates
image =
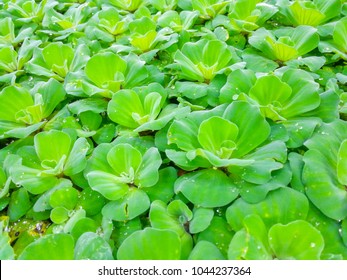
(196, 188)
(147, 174)
(52, 145)
(304, 96)
(323, 170)
(257, 62)
(164, 189)
(219, 233)
(180, 210)
(66, 197)
(13, 100)
(205, 250)
(129, 207)
(305, 38)
(297, 240)
(299, 41)
(52, 94)
(202, 60)
(183, 134)
(90, 246)
(221, 142)
(58, 57)
(339, 35)
(280, 206)
(266, 94)
(125, 160)
(161, 219)
(59, 215)
(123, 106)
(110, 186)
(342, 163)
(76, 161)
(201, 220)
(19, 204)
(58, 246)
(239, 81)
(265, 160)
(302, 14)
(29, 179)
(344, 231)
(84, 225)
(331, 232)
(42, 204)
(151, 244)
(253, 128)
(91, 201)
(106, 70)
(6, 252)
(96, 105)
(250, 243)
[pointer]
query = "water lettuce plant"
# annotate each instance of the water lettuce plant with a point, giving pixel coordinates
(311, 13)
(203, 60)
(173, 130)
(288, 44)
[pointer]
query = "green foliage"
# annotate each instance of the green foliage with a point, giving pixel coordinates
(173, 129)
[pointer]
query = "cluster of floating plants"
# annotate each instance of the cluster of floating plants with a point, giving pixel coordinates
(173, 129)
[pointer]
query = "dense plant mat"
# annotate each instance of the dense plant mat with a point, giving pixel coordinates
(173, 129)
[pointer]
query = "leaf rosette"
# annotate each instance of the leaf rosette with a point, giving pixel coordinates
(22, 113)
(57, 60)
(108, 73)
(203, 60)
(291, 98)
(210, 8)
(338, 43)
(249, 15)
(311, 13)
(55, 154)
(145, 109)
(231, 136)
(114, 169)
